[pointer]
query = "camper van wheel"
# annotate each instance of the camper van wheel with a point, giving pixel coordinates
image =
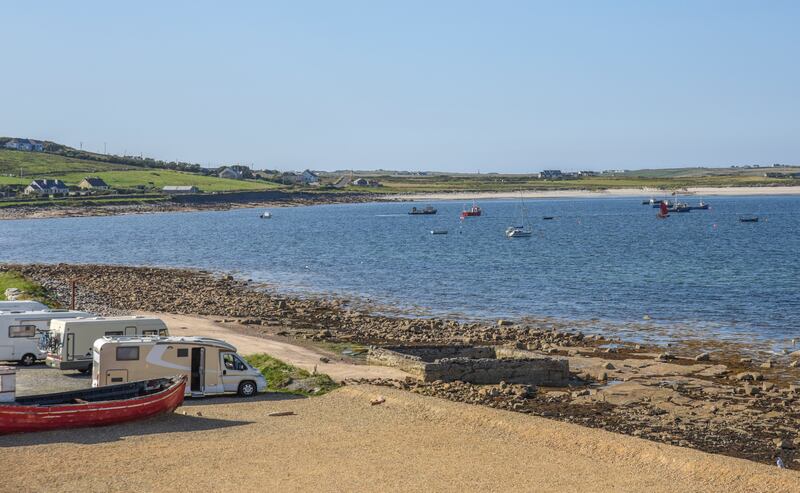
(85, 370)
(27, 360)
(247, 388)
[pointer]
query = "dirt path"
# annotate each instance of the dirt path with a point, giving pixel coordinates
(299, 356)
(339, 442)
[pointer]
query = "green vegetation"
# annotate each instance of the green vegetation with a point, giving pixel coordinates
(669, 179)
(72, 171)
(86, 202)
(280, 377)
(30, 290)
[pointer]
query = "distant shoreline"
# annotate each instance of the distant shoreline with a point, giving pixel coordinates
(55, 211)
(607, 193)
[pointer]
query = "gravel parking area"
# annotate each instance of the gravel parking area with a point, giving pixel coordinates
(41, 379)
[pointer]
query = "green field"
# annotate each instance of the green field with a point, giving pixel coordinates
(72, 171)
(31, 291)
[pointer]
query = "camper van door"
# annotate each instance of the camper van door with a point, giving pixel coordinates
(233, 370)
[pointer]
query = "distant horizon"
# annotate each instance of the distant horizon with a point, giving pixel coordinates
(449, 86)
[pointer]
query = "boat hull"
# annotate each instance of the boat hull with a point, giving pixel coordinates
(26, 418)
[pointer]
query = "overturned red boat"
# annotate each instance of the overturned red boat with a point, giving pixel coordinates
(93, 407)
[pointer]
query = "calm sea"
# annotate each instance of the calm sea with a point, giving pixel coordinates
(600, 262)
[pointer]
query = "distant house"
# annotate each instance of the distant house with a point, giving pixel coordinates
(309, 177)
(93, 183)
(46, 187)
(587, 173)
(179, 189)
(230, 173)
(550, 174)
(360, 182)
(25, 145)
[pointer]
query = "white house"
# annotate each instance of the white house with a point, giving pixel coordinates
(309, 177)
(178, 189)
(25, 145)
(46, 187)
(230, 173)
(93, 183)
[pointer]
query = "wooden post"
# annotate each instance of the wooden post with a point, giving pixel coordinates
(72, 302)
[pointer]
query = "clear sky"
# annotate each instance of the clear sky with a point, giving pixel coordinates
(438, 85)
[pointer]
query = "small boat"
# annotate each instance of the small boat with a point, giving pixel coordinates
(702, 206)
(422, 212)
(438, 231)
(663, 212)
(518, 232)
(657, 205)
(266, 215)
(548, 218)
(748, 219)
(98, 406)
(473, 211)
(649, 202)
(680, 207)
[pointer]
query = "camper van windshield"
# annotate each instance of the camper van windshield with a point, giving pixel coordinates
(232, 362)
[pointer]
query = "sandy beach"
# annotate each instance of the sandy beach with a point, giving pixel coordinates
(587, 194)
(339, 442)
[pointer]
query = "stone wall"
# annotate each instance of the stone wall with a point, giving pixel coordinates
(477, 364)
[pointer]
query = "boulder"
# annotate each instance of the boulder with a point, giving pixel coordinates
(703, 357)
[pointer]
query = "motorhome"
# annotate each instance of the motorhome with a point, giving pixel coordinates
(69, 342)
(212, 366)
(20, 333)
(21, 306)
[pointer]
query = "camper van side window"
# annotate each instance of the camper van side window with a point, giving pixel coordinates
(21, 330)
(114, 333)
(148, 332)
(183, 352)
(129, 353)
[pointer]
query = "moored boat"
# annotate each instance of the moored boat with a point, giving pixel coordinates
(473, 211)
(518, 232)
(422, 212)
(93, 407)
(266, 215)
(748, 219)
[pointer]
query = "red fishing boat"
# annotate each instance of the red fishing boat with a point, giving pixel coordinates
(473, 211)
(93, 407)
(663, 212)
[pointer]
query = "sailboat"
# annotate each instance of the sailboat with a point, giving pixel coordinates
(523, 231)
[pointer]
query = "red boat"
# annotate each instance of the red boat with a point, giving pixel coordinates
(663, 212)
(93, 407)
(473, 211)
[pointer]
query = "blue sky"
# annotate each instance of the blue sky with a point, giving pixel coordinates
(443, 85)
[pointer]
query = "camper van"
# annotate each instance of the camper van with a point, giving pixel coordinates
(212, 366)
(21, 306)
(20, 333)
(69, 342)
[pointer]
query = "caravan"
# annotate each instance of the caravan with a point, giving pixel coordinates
(20, 333)
(212, 366)
(69, 342)
(21, 306)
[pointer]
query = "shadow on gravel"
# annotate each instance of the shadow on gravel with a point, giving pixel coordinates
(172, 423)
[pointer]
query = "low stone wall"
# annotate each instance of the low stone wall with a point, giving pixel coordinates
(474, 364)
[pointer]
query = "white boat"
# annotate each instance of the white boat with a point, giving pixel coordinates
(520, 231)
(266, 215)
(438, 231)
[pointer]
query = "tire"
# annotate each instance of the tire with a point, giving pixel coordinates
(27, 359)
(248, 388)
(84, 371)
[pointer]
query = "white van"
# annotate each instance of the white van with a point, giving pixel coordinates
(22, 306)
(69, 342)
(20, 333)
(212, 366)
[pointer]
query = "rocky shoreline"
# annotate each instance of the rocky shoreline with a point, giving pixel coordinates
(718, 402)
(92, 210)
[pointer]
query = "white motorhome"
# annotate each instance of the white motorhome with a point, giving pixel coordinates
(212, 366)
(22, 306)
(20, 333)
(69, 342)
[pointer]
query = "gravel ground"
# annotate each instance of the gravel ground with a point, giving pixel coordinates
(41, 379)
(339, 442)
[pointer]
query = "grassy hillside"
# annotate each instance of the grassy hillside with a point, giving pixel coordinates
(72, 171)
